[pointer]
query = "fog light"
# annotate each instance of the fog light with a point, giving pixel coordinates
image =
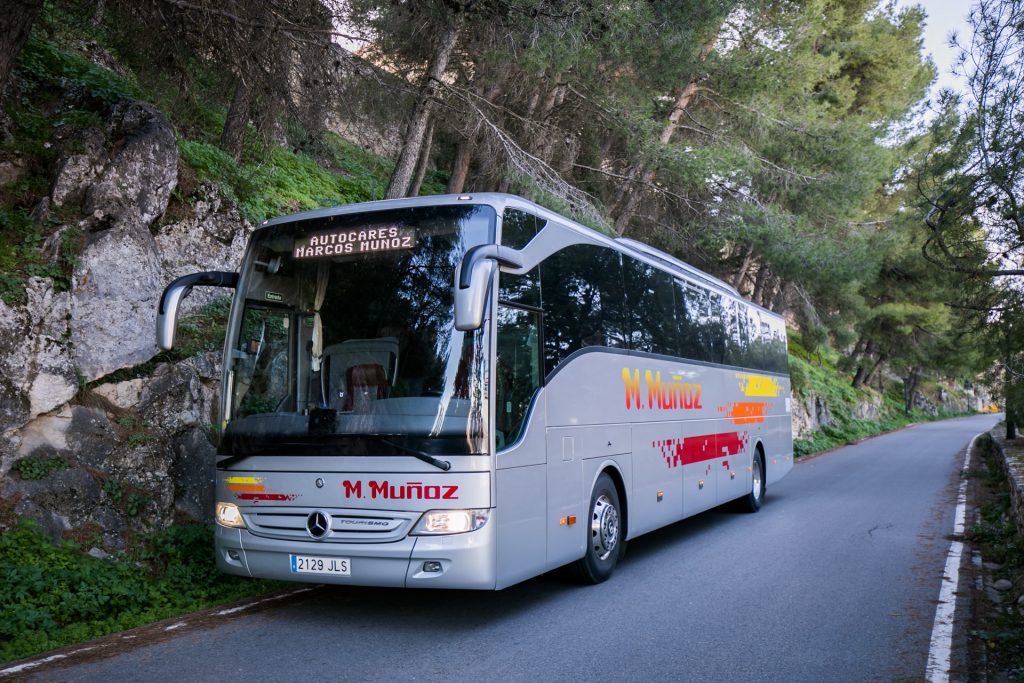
(431, 567)
(233, 554)
(230, 516)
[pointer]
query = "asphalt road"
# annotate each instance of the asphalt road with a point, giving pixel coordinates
(835, 579)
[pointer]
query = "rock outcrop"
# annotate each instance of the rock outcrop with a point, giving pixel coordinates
(77, 452)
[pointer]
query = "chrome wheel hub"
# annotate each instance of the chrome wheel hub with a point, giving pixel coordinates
(604, 527)
(756, 479)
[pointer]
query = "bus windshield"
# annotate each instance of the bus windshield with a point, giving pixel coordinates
(345, 343)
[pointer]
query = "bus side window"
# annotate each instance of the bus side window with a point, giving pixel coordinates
(689, 300)
(742, 330)
(583, 301)
(713, 326)
(517, 370)
(518, 228)
(778, 361)
(650, 307)
(760, 335)
(261, 366)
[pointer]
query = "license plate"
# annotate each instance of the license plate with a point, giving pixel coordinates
(307, 564)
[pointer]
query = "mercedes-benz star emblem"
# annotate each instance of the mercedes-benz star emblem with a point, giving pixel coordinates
(318, 524)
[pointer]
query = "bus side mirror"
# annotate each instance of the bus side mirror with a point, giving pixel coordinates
(473, 282)
(175, 293)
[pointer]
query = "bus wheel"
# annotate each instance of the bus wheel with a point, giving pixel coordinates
(753, 500)
(604, 533)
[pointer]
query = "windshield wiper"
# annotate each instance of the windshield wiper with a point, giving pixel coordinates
(425, 457)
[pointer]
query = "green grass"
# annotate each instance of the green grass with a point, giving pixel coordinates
(289, 181)
(818, 373)
(40, 115)
(53, 595)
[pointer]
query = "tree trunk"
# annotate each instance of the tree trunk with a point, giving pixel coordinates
(631, 190)
(874, 368)
(98, 12)
(748, 256)
(544, 140)
(762, 275)
(909, 389)
(423, 161)
(15, 25)
(232, 138)
(779, 303)
(633, 195)
(416, 129)
(858, 348)
(460, 167)
(467, 145)
(863, 356)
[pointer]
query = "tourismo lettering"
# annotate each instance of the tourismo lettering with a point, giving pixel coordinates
(671, 394)
(413, 490)
(358, 241)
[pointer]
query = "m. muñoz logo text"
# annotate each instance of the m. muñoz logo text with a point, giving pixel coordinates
(671, 394)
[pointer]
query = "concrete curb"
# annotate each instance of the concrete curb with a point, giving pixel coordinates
(1012, 459)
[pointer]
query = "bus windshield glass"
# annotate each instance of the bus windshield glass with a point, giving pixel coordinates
(345, 344)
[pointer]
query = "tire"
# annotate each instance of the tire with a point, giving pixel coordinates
(755, 498)
(605, 541)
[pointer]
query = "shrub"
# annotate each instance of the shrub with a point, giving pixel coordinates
(54, 594)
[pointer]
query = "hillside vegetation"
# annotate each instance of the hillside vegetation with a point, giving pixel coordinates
(785, 165)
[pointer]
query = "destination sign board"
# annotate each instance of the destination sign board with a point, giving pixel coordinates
(354, 241)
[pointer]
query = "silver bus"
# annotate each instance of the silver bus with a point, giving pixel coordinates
(467, 391)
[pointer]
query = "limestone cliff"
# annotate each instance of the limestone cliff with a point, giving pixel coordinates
(78, 452)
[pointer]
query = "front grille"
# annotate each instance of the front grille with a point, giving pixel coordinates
(347, 526)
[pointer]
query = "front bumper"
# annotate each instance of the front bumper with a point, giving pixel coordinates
(467, 560)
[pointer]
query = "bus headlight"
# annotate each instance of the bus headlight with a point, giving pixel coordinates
(450, 522)
(230, 516)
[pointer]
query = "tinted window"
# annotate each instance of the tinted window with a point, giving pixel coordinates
(689, 300)
(520, 289)
(650, 308)
(713, 326)
(516, 369)
(775, 345)
(582, 302)
(736, 332)
(517, 229)
(757, 331)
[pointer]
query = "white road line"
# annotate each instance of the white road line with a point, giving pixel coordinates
(940, 650)
(232, 610)
(46, 660)
(173, 627)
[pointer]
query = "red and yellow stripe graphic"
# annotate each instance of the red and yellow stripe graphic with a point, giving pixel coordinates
(745, 412)
(251, 488)
(694, 449)
(755, 386)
